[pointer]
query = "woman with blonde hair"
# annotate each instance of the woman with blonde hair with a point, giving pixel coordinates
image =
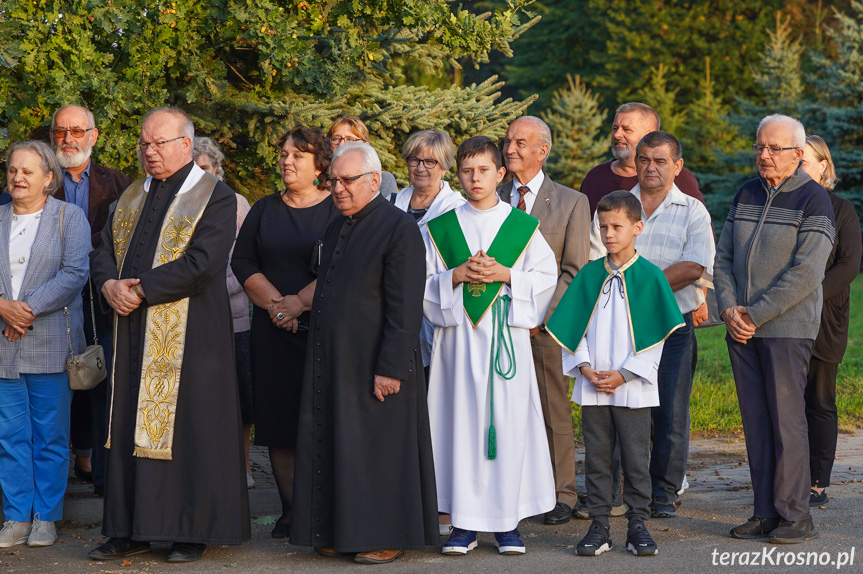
(842, 267)
(351, 129)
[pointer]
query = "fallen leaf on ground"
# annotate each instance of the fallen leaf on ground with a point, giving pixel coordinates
(266, 520)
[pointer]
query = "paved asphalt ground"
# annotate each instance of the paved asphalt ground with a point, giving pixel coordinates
(719, 497)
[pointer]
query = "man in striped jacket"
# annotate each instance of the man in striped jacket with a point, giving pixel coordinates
(769, 265)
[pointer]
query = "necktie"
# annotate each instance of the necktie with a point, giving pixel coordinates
(521, 191)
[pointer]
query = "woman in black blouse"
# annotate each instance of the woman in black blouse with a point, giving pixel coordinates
(275, 260)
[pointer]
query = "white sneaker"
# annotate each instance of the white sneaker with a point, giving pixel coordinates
(14, 533)
(43, 534)
(683, 486)
(250, 482)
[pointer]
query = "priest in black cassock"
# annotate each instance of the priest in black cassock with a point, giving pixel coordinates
(175, 469)
(364, 480)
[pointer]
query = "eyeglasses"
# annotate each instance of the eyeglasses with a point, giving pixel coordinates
(337, 140)
(346, 181)
(157, 144)
(60, 134)
(771, 149)
(428, 163)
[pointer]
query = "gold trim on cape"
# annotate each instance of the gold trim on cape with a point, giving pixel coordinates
(166, 325)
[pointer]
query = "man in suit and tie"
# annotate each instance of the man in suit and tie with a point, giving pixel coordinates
(93, 188)
(564, 221)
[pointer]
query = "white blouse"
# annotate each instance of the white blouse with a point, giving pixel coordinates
(22, 234)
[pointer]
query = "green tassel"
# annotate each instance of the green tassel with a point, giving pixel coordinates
(492, 443)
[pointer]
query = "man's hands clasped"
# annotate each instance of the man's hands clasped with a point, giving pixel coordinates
(738, 323)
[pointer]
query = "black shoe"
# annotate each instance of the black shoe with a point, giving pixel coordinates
(816, 499)
(85, 475)
(661, 507)
(99, 490)
(595, 542)
(116, 548)
(560, 515)
(789, 532)
(756, 527)
(281, 530)
(639, 542)
(186, 552)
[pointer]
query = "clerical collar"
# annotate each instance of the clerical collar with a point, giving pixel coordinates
(180, 175)
(372, 204)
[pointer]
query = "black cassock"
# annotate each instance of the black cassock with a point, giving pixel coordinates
(200, 495)
(364, 473)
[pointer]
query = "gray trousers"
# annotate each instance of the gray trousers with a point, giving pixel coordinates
(770, 376)
(602, 427)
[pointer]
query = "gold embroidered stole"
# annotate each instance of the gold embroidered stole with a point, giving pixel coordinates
(165, 330)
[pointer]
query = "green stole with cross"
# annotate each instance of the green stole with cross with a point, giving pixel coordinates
(508, 246)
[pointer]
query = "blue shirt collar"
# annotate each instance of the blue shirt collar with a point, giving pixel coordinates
(86, 171)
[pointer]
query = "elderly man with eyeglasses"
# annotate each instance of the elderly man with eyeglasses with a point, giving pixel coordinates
(175, 471)
(93, 188)
(364, 481)
(769, 265)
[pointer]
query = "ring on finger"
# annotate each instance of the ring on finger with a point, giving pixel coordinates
(280, 316)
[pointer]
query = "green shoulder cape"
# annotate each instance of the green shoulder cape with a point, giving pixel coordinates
(650, 304)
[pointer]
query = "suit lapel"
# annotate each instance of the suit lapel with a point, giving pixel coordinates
(543, 198)
(95, 191)
(5, 278)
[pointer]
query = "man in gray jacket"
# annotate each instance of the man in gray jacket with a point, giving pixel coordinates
(769, 265)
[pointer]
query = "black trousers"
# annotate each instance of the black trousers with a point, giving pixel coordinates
(603, 428)
(822, 419)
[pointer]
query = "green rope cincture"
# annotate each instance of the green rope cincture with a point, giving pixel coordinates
(505, 350)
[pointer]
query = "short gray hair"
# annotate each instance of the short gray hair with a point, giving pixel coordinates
(48, 161)
(371, 162)
(91, 120)
(438, 142)
(187, 128)
(209, 147)
(798, 133)
(640, 108)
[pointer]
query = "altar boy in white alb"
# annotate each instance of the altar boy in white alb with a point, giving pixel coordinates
(490, 278)
(612, 323)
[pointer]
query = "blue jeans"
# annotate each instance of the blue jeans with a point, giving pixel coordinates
(671, 418)
(34, 445)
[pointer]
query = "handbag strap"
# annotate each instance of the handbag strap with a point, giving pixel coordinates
(66, 309)
(68, 331)
(93, 314)
(62, 209)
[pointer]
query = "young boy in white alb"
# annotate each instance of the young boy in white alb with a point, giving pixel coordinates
(490, 278)
(612, 323)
